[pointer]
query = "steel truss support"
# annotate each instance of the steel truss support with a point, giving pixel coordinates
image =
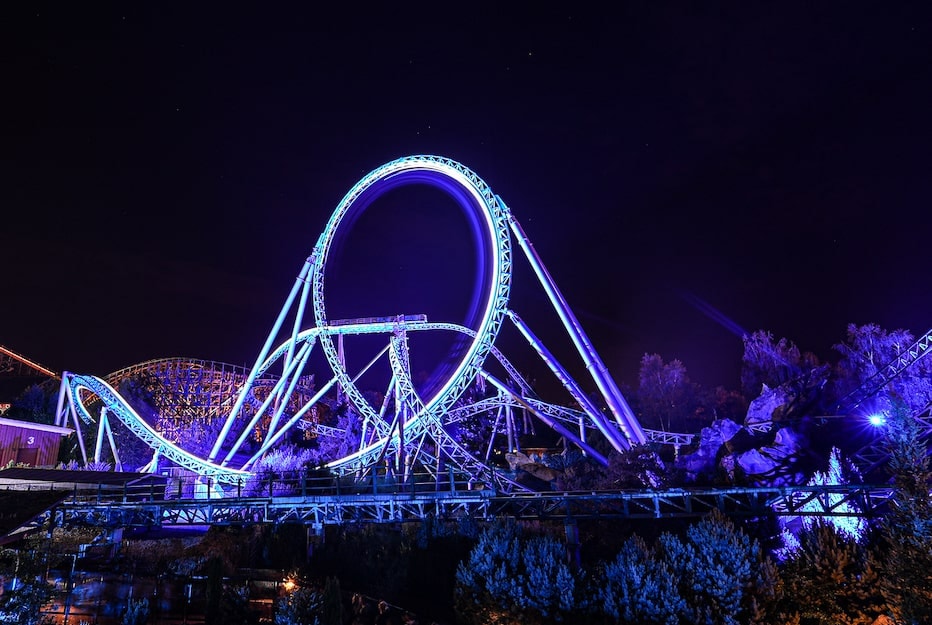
(792, 501)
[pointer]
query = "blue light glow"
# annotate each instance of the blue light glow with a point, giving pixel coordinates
(877, 420)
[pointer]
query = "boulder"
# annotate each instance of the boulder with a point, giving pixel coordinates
(763, 409)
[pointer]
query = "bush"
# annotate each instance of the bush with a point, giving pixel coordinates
(509, 579)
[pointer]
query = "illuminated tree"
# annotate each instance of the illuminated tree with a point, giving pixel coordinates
(907, 528)
(770, 362)
(831, 579)
(853, 525)
(509, 579)
(868, 349)
(301, 606)
(349, 424)
(637, 587)
(722, 575)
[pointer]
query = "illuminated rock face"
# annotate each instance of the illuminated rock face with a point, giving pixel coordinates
(764, 459)
(764, 408)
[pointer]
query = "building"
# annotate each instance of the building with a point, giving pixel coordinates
(34, 444)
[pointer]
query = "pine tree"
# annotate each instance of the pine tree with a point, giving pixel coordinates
(332, 603)
(907, 528)
(509, 579)
(831, 579)
(637, 587)
(723, 576)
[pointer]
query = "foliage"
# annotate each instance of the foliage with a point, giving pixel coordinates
(279, 471)
(160, 556)
(139, 391)
(831, 579)
(665, 395)
(509, 579)
(301, 606)
(137, 612)
(907, 527)
(840, 471)
(722, 574)
(36, 404)
(69, 540)
(234, 608)
(766, 362)
(868, 349)
(637, 587)
(712, 575)
(728, 404)
(331, 608)
(21, 605)
(349, 426)
(97, 466)
(637, 467)
(376, 560)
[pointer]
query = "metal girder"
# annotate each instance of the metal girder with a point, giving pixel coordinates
(404, 507)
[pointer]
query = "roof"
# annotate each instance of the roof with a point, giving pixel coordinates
(18, 509)
(30, 475)
(30, 425)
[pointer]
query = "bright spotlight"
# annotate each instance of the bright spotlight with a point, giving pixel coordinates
(877, 420)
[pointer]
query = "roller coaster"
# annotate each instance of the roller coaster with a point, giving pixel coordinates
(414, 426)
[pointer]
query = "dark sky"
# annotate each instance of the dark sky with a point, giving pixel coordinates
(685, 173)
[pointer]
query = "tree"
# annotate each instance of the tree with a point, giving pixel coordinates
(868, 349)
(137, 612)
(665, 394)
(840, 471)
(723, 575)
(728, 404)
(907, 528)
(509, 579)
(36, 404)
(29, 592)
(301, 606)
(770, 362)
(349, 426)
(331, 608)
(637, 587)
(139, 391)
(234, 607)
(831, 578)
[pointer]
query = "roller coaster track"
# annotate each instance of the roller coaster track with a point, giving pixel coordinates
(76, 384)
(17, 365)
(414, 427)
(874, 455)
(885, 374)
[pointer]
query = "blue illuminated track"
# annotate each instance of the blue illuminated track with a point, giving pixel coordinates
(406, 427)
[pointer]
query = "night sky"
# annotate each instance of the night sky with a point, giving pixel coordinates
(686, 174)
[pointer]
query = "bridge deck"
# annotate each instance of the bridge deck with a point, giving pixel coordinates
(116, 509)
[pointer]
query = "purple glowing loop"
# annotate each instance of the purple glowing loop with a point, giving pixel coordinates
(489, 224)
